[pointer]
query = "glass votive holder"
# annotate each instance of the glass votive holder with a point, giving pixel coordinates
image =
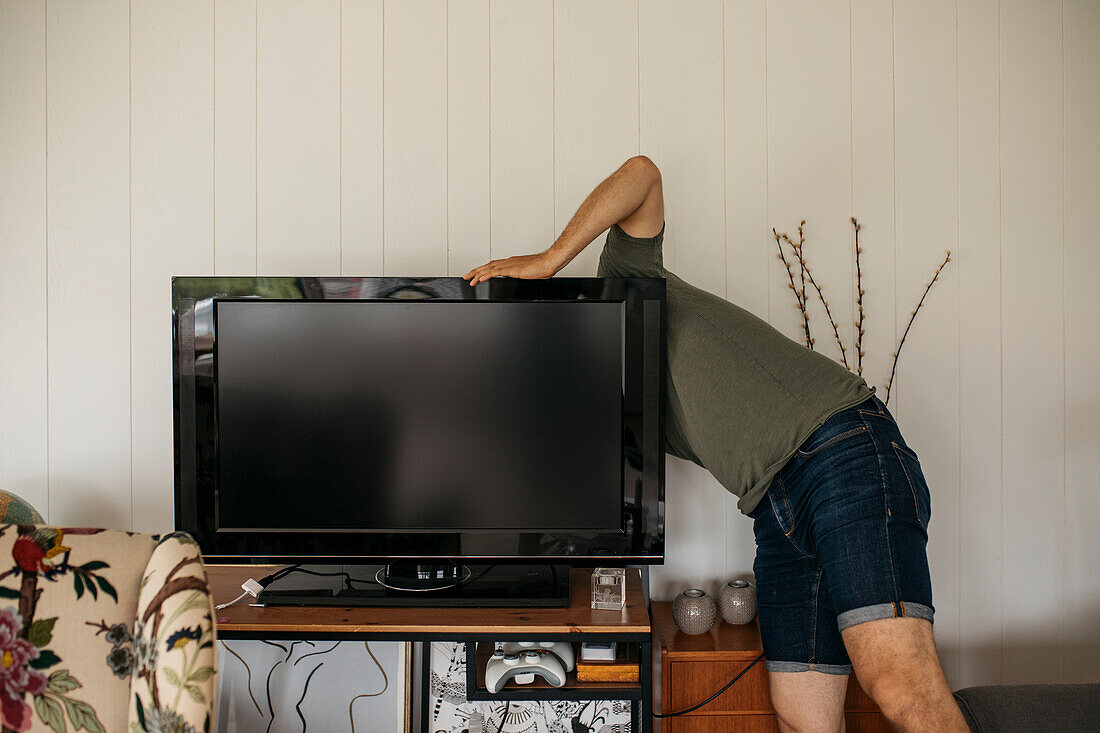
(608, 589)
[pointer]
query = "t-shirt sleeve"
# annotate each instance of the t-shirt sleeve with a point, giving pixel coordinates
(627, 256)
(607, 265)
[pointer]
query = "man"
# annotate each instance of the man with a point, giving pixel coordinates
(838, 501)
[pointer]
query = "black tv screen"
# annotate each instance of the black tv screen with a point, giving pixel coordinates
(419, 416)
(380, 419)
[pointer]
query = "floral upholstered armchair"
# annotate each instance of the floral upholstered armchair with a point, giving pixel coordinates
(102, 630)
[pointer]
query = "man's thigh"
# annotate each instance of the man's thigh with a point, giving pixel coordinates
(808, 702)
(896, 662)
(895, 651)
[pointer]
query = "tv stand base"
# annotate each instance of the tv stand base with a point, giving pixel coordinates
(439, 585)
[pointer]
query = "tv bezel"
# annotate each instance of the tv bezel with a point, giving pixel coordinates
(641, 541)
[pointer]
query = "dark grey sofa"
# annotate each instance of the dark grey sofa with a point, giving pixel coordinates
(1023, 708)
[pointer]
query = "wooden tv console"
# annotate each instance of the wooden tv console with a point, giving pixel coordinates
(689, 669)
(575, 623)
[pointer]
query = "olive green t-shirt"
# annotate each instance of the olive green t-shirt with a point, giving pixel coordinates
(741, 396)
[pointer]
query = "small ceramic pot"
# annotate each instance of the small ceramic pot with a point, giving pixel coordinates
(694, 611)
(737, 601)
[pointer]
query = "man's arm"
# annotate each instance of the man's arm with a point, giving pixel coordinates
(631, 197)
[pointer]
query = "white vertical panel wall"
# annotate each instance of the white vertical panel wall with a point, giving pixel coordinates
(88, 264)
(414, 138)
(171, 218)
(1081, 56)
(298, 88)
(362, 234)
(234, 162)
(925, 393)
(382, 137)
(23, 366)
(979, 280)
(1033, 366)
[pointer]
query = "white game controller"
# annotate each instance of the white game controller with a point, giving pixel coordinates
(502, 667)
(563, 650)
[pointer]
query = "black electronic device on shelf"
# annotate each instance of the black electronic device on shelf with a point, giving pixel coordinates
(397, 584)
(419, 420)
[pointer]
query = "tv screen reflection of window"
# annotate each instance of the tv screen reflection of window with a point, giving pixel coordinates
(419, 416)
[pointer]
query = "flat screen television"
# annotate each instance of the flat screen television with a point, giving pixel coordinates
(375, 420)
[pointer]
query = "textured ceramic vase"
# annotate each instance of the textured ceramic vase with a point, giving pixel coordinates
(694, 611)
(737, 601)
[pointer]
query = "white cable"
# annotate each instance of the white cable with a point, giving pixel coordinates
(235, 600)
(250, 588)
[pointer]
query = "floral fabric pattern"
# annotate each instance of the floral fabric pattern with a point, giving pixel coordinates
(172, 652)
(69, 652)
(17, 679)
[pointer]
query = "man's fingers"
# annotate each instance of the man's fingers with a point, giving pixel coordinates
(483, 274)
(480, 274)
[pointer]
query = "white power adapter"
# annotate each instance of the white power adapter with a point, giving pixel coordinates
(251, 587)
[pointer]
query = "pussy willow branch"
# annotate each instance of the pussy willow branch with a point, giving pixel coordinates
(801, 261)
(913, 317)
(859, 302)
(820, 294)
(800, 299)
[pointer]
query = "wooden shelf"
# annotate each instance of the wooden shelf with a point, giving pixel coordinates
(540, 689)
(244, 621)
(472, 626)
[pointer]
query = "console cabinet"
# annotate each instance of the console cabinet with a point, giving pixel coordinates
(689, 669)
(475, 627)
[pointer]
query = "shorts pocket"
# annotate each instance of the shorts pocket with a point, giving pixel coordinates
(814, 450)
(918, 487)
(878, 412)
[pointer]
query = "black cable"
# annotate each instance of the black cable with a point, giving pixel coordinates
(504, 715)
(272, 577)
(283, 572)
(712, 697)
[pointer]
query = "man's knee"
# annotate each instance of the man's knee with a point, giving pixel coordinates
(896, 663)
(900, 700)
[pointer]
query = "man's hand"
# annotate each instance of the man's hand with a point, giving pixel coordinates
(528, 267)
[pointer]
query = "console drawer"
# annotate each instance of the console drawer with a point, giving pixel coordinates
(690, 683)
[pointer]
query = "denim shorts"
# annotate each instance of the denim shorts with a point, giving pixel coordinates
(841, 538)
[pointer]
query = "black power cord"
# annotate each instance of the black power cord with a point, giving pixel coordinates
(278, 574)
(712, 697)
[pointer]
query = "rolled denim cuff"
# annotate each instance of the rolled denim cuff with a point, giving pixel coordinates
(883, 610)
(808, 667)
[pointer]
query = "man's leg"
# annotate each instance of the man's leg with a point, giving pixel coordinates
(895, 660)
(808, 666)
(808, 702)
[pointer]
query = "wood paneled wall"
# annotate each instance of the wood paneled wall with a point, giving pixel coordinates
(362, 137)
